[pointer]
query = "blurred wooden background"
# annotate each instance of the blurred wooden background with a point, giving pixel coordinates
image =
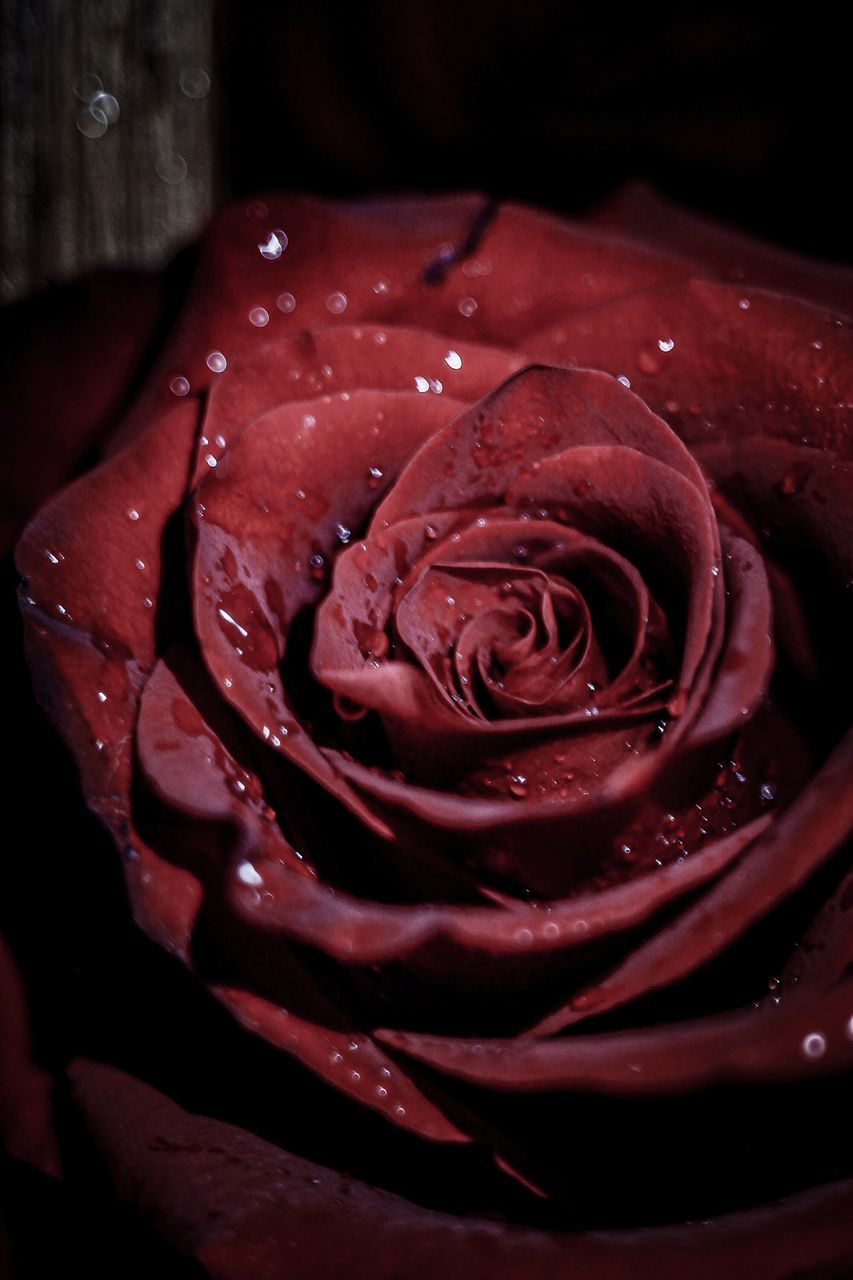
(734, 109)
(111, 139)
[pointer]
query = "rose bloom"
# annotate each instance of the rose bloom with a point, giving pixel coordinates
(454, 637)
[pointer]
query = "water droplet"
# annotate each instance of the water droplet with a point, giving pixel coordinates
(274, 245)
(132, 513)
(467, 307)
(453, 360)
(194, 82)
(523, 937)
(382, 286)
(336, 303)
(259, 316)
(666, 344)
(744, 304)
(551, 930)
(171, 168)
(87, 86)
(216, 362)
(518, 785)
(381, 1091)
(767, 791)
(286, 303)
(374, 475)
(814, 1046)
(211, 460)
(108, 104)
(342, 533)
(179, 387)
(247, 874)
(102, 697)
(422, 384)
(92, 122)
(626, 382)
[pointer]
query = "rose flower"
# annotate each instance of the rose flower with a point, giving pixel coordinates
(455, 640)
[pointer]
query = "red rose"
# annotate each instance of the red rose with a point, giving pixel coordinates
(455, 641)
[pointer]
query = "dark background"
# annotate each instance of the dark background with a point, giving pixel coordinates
(741, 113)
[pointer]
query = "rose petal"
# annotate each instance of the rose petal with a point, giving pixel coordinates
(780, 861)
(207, 1186)
(642, 213)
(748, 1046)
(734, 361)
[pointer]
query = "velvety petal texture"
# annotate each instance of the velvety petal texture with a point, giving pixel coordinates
(455, 639)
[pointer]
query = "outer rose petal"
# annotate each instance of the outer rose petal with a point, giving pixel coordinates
(799, 842)
(643, 214)
(715, 358)
(71, 359)
(248, 1211)
(747, 1046)
(193, 772)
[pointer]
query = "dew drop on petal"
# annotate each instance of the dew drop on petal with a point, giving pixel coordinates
(286, 303)
(259, 316)
(274, 245)
(247, 874)
(216, 362)
(453, 360)
(814, 1046)
(336, 303)
(179, 387)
